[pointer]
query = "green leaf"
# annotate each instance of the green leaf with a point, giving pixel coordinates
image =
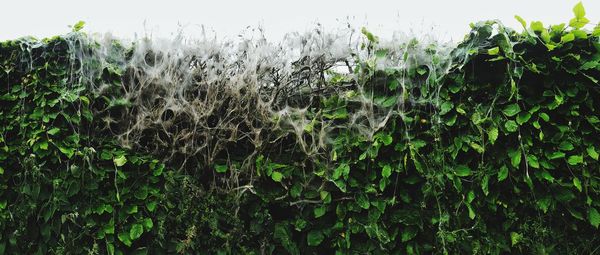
(515, 157)
(148, 224)
(151, 206)
(521, 20)
(494, 51)
(546, 175)
(319, 211)
(1, 170)
(446, 107)
(575, 160)
(511, 110)
(566, 146)
(277, 176)
(315, 237)
(503, 173)
(592, 152)
(78, 26)
(537, 26)
(53, 131)
(523, 117)
(511, 126)
(462, 171)
(492, 134)
(221, 168)
(532, 160)
(386, 171)
(120, 160)
(577, 184)
(136, 231)
(69, 152)
(594, 217)
(124, 238)
(579, 11)
(363, 201)
(567, 38)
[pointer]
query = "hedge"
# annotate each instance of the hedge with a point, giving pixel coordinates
(317, 146)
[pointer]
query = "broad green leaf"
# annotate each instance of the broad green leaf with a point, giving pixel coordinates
(515, 157)
(567, 38)
(546, 175)
(148, 224)
(579, 10)
(446, 107)
(314, 237)
(523, 117)
(511, 126)
(363, 201)
(532, 160)
(319, 211)
(386, 171)
(511, 110)
(1, 170)
(537, 26)
(136, 231)
(462, 171)
(575, 160)
(120, 160)
(594, 217)
(124, 238)
(502, 173)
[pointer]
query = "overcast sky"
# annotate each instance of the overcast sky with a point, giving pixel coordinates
(448, 20)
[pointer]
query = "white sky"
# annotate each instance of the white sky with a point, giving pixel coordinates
(447, 19)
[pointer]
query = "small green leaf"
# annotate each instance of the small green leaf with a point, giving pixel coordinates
(546, 175)
(492, 134)
(363, 201)
(1, 170)
(462, 171)
(532, 160)
(592, 152)
(319, 211)
(521, 20)
(315, 237)
(277, 176)
(577, 184)
(120, 160)
(136, 231)
(511, 126)
(575, 160)
(148, 224)
(567, 38)
(494, 51)
(53, 131)
(594, 217)
(386, 171)
(511, 110)
(503, 173)
(221, 168)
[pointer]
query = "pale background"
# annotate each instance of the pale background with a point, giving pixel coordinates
(446, 20)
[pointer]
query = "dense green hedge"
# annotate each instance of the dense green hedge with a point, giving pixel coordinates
(492, 148)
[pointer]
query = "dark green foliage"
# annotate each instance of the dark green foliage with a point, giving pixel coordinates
(497, 155)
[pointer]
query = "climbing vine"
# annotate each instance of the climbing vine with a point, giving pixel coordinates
(319, 145)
